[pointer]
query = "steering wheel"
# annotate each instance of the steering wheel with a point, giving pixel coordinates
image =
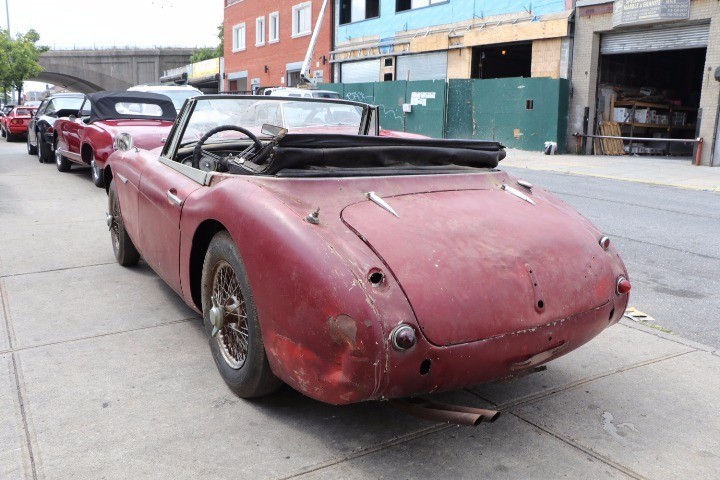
(198, 151)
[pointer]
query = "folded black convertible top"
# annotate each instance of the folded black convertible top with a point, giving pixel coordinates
(297, 151)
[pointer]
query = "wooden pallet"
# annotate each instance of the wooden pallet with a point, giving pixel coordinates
(611, 146)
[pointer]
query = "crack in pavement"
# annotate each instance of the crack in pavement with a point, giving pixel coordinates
(504, 407)
(17, 375)
(101, 335)
(59, 269)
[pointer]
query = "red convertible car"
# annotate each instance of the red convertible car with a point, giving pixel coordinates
(15, 123)
(87, 139)
(356, 267)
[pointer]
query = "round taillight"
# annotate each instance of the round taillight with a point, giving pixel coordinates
(403, 337)
(605, 243)
(623, 286)
(15, 121)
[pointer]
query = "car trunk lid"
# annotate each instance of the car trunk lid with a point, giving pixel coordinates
(476, 264)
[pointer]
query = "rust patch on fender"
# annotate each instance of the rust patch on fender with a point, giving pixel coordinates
(343, 329)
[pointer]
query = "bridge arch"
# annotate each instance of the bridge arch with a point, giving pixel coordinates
(112, 69)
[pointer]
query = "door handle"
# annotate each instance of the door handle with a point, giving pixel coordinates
(173, 198)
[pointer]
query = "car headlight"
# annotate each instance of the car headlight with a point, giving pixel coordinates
(123, 142)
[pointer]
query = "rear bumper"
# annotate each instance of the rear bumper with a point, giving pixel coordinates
(17, 129)
(429, 368)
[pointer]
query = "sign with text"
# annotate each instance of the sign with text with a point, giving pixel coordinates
(633, 12)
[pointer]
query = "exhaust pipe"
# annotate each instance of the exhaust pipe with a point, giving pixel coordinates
(444, 413)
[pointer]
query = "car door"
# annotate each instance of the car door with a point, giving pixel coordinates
(32, 126)
(164, 187)
(71, 131)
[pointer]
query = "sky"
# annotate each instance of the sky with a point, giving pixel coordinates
(103, 24)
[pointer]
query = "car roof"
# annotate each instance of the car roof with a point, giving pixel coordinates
(162, 87)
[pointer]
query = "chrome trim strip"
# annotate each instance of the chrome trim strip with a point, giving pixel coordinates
(373, 197)
(517, 193)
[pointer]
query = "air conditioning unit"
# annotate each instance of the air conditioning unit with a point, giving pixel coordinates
(387, 69)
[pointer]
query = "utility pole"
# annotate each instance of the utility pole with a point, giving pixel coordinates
(7, 14)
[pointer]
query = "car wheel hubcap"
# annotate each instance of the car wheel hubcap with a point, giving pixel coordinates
(95, 172)
(58, 157)
(229, 317)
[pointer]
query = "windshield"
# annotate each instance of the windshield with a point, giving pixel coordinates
(62, 103)
(298, 116)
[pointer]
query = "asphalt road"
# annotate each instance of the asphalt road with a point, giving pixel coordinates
(669, 239)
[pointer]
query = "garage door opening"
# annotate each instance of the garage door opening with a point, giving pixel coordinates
(650, 83)
(502, 61)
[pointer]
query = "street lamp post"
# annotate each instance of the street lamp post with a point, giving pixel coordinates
(7, 14)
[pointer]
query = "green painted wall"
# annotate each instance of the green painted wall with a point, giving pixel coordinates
(427, 99)
(521, 113)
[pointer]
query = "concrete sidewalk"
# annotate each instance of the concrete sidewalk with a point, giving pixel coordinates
(105, 373)
(668, 171)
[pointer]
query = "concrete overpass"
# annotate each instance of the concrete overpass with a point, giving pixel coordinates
(89, 71)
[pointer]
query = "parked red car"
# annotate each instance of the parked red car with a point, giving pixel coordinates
(15, 123)
(358, 267)
(88, 138)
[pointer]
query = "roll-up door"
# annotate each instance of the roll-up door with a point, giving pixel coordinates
(360, 72)
(427, 66)
(656, 39)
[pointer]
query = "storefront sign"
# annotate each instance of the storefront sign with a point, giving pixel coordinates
(633, 12)
(204, 69)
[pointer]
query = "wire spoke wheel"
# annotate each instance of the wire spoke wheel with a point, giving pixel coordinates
(231, 321)
(233, 336)
(115, 225)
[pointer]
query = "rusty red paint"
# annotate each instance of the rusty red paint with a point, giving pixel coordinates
(476, 313)
(342, 329)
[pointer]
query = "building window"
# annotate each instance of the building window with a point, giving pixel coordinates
(301, 19)
(357, 10)
(274, 19)
(260, 31)
(403, 5)
(238, 37)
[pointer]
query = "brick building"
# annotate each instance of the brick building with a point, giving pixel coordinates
(650, 67)
(266, 43)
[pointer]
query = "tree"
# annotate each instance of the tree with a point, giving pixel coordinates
(24, 55)
(202, 54)
(207, 53)
(5, 48)
(220, 50)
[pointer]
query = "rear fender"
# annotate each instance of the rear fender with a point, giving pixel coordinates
(325, 327)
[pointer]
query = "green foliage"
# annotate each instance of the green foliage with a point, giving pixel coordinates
(202, 54)
(19, 58)
(208, 53)
(220, 50)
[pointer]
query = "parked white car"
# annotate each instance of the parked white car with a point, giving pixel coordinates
(300, 92)
(177, 93)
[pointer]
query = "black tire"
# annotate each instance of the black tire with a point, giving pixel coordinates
(242, 364)
(97, 175)
(32, 150)
(62, 163)
(123, 247)
(43, 150)
(2, 132)
(9, 137)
